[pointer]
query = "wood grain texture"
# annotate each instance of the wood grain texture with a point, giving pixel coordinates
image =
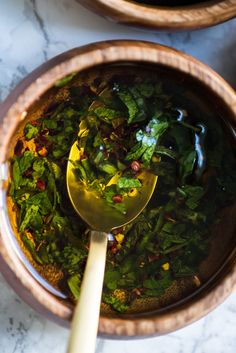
(29, 92)
(164, 18)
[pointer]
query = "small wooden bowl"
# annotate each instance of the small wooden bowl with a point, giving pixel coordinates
(29, 93)
(203, 14)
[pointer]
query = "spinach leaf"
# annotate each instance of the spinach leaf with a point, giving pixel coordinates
(31, 247)
(155, 287)
(71, 257)
(128, 183)
(193, 195)
(106, 113)
(31, 214)
(116, 303)
(42, 201)
(25, 162)
(16, 175)
(49, 124)
(108, 168)
(129, 101)
(30, 131)
(64, 81)
(187, 162)
(147, 140)
(74, 283)
(111, 279)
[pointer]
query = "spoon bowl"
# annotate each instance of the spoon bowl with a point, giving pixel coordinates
(94, 210)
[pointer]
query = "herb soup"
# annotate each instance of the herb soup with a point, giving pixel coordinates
(184, 234)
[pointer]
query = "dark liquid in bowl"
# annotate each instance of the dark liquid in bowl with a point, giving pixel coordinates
(178, 268)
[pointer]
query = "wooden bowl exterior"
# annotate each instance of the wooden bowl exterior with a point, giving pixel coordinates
(191, 17)
(26, 94)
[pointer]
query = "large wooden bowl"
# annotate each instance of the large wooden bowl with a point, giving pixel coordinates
(13, 112)
(204, 14)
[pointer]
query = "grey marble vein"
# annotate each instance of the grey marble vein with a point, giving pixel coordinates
(31, 7)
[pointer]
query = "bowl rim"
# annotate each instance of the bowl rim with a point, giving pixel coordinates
(11, 114)
(190, 17)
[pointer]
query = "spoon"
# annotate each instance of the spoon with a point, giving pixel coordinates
(102, 218)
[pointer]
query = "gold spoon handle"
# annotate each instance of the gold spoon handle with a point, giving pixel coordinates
(86, 315)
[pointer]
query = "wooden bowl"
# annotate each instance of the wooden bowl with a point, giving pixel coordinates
(30, 93)
(200, 15)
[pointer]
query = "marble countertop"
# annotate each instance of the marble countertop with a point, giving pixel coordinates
(32, 31)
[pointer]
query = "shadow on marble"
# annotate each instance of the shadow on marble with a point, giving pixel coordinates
(227, 62)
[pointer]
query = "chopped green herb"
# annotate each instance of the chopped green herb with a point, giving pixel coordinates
(64, 81)
(122, 129)
(30, 131)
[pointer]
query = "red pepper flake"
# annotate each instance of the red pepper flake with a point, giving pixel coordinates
(118, 230)
(135, 166)
(28, 172)
(170, 219)
(43, 152)
(137, 291)
(34, 122)
(41, 185)
(41, 140)
(83, 156)
(114, 249)
(18, 150)
(45, 132)
(152, 258)
(117, 198)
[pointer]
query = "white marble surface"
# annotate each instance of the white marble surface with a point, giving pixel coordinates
(32, 31)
